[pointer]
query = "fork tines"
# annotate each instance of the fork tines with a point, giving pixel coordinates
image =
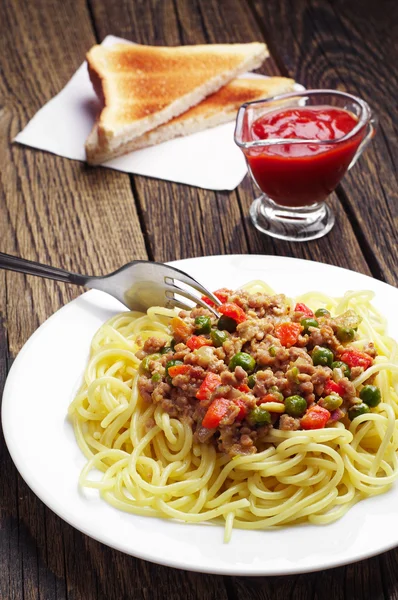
(176, 294)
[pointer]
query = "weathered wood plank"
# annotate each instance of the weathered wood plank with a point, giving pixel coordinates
(56, 211)
(10, 558)
(349, 45)
(53, 209)
(388, 566)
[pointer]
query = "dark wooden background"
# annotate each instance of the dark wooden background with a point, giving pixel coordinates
(94, 220)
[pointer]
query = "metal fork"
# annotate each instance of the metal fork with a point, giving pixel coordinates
(138, 285)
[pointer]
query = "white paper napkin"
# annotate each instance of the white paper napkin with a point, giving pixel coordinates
(208, 159)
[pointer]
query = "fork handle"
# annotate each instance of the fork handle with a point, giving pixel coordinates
(30, 267)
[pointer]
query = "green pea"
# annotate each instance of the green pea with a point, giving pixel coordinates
(371, 395)
(144, 366)
(156, 377)
(358, 409)
(202, 325)
(322, 356)
(295, 406)
(345, 334)
(272, 351)
(307, 323)
(322, 312)
(251, 381)
(226, 324)
(331, 402)
(218, 337)
(259, 416)
(338, 364)
(166, 350)
(244, 360)
(172, 363)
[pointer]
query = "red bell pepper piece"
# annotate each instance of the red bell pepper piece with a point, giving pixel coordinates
(355, 358)
(243, 388)
(331, 387)
(179, 370)
(233, 311)
(197, 341)
(316, 417)
(303, 308)
(222, 294)
(209, 384)
(216, 411)
(288, 333)
(242, 410)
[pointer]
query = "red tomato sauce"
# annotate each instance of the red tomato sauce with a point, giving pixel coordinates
(302, 174)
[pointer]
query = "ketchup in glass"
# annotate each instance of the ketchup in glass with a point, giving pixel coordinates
(302, 174)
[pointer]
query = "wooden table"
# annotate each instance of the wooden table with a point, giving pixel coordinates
(93, 220)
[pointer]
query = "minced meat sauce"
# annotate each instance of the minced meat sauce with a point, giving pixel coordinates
(262, 364)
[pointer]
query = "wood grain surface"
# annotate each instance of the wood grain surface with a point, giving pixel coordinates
(94, 220)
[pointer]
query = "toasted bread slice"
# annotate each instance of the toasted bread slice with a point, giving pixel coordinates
(220, 107)
(144, 86)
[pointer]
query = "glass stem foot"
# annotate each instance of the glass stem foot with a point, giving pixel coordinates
(294, 224)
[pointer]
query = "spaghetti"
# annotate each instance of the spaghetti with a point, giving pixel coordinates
(153, 464)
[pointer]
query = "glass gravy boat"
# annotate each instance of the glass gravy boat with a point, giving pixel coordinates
(295, 184)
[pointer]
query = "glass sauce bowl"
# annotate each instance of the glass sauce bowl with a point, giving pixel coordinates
(297, 174)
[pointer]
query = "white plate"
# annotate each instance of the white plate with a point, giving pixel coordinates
(47, 373)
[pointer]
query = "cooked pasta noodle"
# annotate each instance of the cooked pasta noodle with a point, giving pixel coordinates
(152, 466)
